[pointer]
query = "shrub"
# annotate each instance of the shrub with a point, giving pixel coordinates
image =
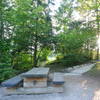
(74, 59)
(6, 73)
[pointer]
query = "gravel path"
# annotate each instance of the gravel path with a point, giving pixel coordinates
(77, 87)
(83, 69)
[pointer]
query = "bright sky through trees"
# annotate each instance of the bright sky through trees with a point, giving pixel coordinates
(76, 15)
(55, 7)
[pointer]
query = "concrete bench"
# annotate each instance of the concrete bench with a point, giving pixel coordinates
(13, 82)
(58, 79)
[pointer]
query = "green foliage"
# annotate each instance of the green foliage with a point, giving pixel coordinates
(74, 59)
(31, 28)
(74, 47)
(74, 41)
(70, 60)
(4, 51)
(22, 62)
(25, 33)
(44, 54)
(26, 36)
(6, 73)
(77, 38)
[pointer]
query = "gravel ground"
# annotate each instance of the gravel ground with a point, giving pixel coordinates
(77, 87)
(83, 68)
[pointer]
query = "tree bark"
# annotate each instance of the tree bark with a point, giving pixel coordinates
(97, 21)
(35, 45)
(35, 52)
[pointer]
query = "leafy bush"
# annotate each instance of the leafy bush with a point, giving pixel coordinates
(23, 62)
(74, 59)
(70, 60)
(6, 73)
(44, 54)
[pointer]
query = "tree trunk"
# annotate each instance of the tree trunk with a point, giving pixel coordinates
(97, 21)
(35, 44)
(35, 52)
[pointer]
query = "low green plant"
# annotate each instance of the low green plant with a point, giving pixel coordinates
(6, 73)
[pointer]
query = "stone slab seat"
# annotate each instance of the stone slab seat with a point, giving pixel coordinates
(13, 82)
(58, 79)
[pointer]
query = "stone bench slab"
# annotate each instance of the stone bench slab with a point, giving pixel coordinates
(13, 82)
(58, 78)
(37, 73)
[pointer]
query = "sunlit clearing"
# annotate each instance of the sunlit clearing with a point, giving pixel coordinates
(51, 58)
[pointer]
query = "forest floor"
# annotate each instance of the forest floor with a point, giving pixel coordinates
(78, 86)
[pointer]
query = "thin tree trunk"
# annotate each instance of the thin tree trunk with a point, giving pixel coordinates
(97, 21)
(35, 53)
(35, 46)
